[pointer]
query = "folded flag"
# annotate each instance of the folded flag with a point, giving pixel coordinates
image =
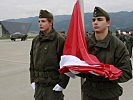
(75, 56)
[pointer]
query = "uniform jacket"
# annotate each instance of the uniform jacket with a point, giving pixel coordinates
(109, 51)
(44, 59)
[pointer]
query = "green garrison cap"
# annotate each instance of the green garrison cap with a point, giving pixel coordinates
(45, 14)
(100, 12)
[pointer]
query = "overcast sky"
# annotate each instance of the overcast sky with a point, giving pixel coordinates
(29, 8)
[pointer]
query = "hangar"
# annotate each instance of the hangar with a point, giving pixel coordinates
(8, 28)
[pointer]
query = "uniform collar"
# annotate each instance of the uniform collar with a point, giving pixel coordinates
(102, 43)
(51, 35)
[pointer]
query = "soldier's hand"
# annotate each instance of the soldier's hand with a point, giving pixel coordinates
(33, 85)
(94, 73)
(74, 72)
(57, 88)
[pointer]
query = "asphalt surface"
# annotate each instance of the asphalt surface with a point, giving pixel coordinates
(14, 74)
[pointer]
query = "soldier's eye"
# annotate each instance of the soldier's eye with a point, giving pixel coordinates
(43, 21)
(100, 19)
(93, 19)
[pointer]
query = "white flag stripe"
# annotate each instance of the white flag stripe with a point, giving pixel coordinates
(69, 60)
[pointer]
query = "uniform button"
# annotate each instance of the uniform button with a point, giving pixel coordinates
(45, 48)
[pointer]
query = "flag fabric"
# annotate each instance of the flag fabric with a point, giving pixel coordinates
(75, 56)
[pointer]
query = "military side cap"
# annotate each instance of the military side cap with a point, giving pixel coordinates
(100, 12)
(45, 14)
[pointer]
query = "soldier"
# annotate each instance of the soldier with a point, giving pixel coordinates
(117, 34)
(63, 33)
(122, 37)
(128, 41)
(45, 55)
(132, 39)
(109, 50)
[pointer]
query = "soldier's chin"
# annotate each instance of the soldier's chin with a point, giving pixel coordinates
(96, 30)
(42, 30)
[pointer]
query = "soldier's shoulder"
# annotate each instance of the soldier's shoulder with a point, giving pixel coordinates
(60, 36)
(35, 38)
(116, 41)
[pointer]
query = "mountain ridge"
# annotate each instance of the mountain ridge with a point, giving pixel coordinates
(119, 20)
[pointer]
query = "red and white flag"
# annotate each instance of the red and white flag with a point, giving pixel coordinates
(75, 56)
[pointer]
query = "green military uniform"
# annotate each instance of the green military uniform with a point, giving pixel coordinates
(122, 37)
(109, 51)
(128, 41)
(112, 51)
(45, 55)
(131, 41)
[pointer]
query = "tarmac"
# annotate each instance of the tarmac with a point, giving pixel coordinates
(15, 78)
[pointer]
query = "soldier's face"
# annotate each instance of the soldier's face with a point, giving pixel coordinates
(44, 24)
(100, 24)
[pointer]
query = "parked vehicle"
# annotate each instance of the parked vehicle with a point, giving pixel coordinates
(18, 35)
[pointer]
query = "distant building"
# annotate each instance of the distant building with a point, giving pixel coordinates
(9, 28)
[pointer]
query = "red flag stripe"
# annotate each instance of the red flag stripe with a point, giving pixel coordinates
(75, 56)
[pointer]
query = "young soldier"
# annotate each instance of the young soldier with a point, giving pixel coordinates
(45, 55)
(109, 50)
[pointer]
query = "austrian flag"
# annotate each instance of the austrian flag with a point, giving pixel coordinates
(75, 56)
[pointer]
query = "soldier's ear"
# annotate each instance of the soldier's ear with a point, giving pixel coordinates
(108, 23)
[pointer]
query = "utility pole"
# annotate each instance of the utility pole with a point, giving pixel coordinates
(82, 10)
(82, 15)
